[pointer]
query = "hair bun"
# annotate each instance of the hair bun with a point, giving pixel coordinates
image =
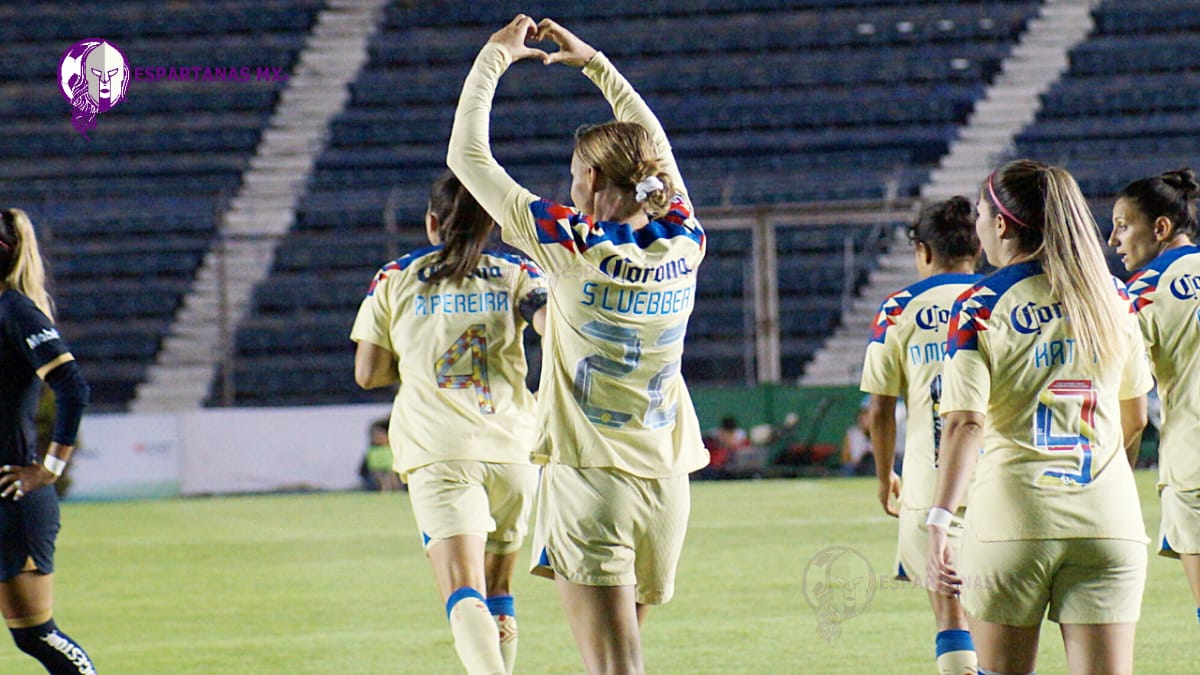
(958, 207)
(1183, 180)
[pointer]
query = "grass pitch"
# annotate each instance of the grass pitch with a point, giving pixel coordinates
(337, 583)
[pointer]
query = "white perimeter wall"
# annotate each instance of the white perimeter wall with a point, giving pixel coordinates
(220, 451)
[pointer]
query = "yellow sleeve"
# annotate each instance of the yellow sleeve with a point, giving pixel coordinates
(1149, 330)
(1136, 378)
(470, 153)
(374, 320)
(966, 382)
(628, 106)
(883, 370)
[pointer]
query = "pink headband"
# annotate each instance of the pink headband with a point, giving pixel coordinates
(999, 205)
(6, 246)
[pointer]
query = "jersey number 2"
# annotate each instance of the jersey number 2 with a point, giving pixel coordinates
(473, 341)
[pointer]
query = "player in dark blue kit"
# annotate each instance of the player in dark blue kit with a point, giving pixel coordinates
(31, 352)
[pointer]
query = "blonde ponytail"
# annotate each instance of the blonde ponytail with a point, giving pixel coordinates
(1078, 274)
(625, 153)
(658, 201)
(21, 261)
(1054, 224)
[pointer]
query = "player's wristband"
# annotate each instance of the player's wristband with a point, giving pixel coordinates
(939, 517)
(54, 465)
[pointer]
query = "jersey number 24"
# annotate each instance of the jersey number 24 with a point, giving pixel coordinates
(589, 367)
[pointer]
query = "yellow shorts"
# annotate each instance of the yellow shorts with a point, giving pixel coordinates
(603, 527)
(1083, 581)
(1179, 529)
(912, 549)
(488, 500)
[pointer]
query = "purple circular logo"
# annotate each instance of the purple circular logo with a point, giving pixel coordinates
(93, 76)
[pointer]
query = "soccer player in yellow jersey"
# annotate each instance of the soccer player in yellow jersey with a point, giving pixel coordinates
(445, 323)
(1046, 372)
(904, 358)
(1154, 230)
(618, 433)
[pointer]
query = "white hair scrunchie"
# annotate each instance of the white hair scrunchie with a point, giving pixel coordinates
(646, 186)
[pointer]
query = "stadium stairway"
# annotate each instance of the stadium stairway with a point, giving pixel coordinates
(1010, 103)
(263, 209)
(1013, 99)
(839, 360)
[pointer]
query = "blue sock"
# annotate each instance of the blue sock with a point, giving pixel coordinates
(460, 595)
(502, 604)
(954, 641)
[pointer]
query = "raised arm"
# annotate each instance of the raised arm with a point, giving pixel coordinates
(627, 104)
(470, 153)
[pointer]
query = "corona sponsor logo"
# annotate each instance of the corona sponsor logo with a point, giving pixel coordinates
(491, 272)
(623, 269)
(1185, 287)
(932, 317)
(1029, 318)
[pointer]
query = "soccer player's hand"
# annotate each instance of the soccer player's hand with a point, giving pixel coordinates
(513, 37)
(941, 576)
(571, 50)
(889, 494)
(18, 481)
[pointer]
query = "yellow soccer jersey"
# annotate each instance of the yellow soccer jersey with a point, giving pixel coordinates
(611, 393)
(904, 359)
(461, 357)
(1166, 295)
(1053, 463)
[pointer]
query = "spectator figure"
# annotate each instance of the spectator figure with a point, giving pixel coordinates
(856, 457)
(377, 470)
(724, 441)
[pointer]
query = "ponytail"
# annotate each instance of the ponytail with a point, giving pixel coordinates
(463, 228)
(626, 155)
(21, 264)
(1077, 269)
(1054, 224)
(653, 188)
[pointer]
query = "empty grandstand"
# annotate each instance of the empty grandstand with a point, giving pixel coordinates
(210, 240)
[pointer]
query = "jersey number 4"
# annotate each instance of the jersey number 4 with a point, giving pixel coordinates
(473, 341)
(1064, 395)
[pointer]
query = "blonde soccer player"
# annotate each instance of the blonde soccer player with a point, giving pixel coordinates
(618, 434)
(445, 323)
(904, 358)
(1044, 398)
(1154, 230)
(32, 351)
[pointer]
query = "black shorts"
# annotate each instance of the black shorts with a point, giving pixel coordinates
(28, 529)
